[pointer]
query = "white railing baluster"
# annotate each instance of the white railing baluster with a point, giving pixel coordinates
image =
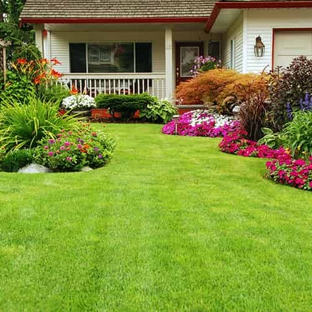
(113, 83)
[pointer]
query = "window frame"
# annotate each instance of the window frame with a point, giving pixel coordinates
(112, 42)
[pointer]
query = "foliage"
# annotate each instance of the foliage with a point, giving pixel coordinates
(16, 159)
(206, 86)
(292, 172)
(78, 101)
(288, 86)
(24, 125)
(203, 64)
(55, 93)
(298, 134)
(126, 105)
(272, 139)
(28, 77)
(223, 87)
(252, 111)
(21, 36)
(72, 150)
(201, 123)
(161, 111)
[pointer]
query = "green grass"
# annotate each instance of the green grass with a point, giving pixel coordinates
(170, 224)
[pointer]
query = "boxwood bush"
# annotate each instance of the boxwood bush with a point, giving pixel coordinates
(125, 105)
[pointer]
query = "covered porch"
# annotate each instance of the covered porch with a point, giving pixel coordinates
(90, 61)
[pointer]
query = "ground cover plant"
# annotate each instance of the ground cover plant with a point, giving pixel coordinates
(171, 224)
(201, 123)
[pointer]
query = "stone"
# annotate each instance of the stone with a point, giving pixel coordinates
(86, 168)
(34, 168)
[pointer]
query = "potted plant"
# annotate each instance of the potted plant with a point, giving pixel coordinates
(79, 104)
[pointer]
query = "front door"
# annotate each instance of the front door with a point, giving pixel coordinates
(186, 52)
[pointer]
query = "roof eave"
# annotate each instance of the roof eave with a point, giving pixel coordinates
(124, 20)
(252, 5)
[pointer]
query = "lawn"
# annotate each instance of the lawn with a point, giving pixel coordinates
(170, 224)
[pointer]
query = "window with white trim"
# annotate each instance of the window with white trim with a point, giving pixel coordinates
(111, 57)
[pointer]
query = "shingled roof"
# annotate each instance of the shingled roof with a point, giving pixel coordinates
(101, 9)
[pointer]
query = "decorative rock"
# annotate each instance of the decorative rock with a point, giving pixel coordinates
(85, 169)
(34, 168)
(236, 109)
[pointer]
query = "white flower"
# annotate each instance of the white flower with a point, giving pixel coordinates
(78, 101)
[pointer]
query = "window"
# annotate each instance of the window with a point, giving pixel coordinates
(214, 49)
(77, 53)
(111, 57)
(232, 54)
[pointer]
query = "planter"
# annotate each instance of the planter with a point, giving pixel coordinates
(102, 113)
(81, 113)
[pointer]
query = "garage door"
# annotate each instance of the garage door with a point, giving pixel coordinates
(291, 44)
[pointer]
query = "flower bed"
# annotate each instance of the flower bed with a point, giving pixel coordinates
(235, 143)
(201, 123)
(281, 169)
(292, 172)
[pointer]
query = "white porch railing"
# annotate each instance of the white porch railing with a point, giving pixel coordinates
(93, 84)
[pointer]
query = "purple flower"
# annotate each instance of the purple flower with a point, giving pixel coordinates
(46, 147)
(67, 143)
(50, 153)
(51, 141)
(69, 159)
(62, 148)
(79, 146)
(96, 149)
(100, 156)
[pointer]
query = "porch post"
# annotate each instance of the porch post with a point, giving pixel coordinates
(169, 64)
(46, 44)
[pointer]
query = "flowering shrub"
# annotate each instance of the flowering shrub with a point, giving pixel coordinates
(71, 151)
(201, 123)
(78, 101)
(236, 143)
(292, 172)
(204, 64)
(25, 77)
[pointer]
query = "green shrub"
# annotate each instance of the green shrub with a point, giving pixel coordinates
(72, 150)
(16, 159)
(161, 111)
(298, 134)
(272, 139)
(55, 93)
(23, 125)
(125, 105)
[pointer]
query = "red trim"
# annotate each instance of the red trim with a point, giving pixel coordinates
(123, 20)
(274, 30)
(253, 5)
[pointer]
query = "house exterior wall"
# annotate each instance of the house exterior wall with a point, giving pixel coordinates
(262, 22)
(60, 45)
(235, 32)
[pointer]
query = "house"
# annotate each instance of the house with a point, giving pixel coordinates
(121, 46)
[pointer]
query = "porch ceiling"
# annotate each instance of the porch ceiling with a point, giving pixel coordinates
(225, 19)
(126, 27)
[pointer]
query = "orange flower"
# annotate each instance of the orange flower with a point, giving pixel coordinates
(55, 73)
(55, 61)
(37, 80)
(21, 61)
(73, 90)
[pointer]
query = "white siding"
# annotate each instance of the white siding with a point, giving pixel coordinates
(262, 22)
(235, 32)
(60, 45)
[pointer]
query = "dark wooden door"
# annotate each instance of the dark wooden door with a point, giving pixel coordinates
(186, 52)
